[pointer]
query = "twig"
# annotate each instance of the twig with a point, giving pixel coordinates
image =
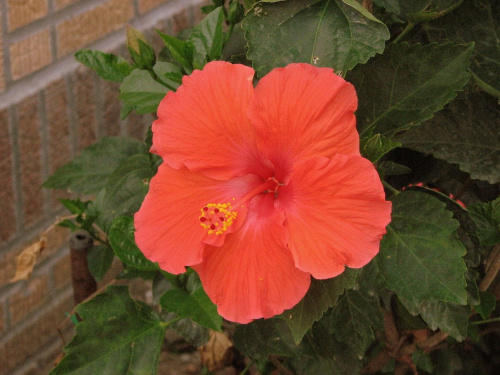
(492, 268)
(406, 30)
(432, 341)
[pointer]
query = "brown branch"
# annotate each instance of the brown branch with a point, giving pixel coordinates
(433, 341)
(492, 268)
(367, 4)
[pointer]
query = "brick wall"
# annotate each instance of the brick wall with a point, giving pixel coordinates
(51, 108)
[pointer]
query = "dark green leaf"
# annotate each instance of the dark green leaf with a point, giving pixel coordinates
(236, 12)
(420, 256)
(389, 168)
(190, 331)
(141, 92)
(100, 258)
(106, 65)
(88, 172)
(75, 206)
(466, 132)
(117, 336)
(487, 304)
(375, 147)
(322, 295)
(389, 5)
(448, 317)
(353, 319)
(487, 218)
(262, 338)
(422, 360)
(332, 33)
(207, 38)
(195, 305)
(475, 21)
(125, 189)
(121, 238)
(407, 85)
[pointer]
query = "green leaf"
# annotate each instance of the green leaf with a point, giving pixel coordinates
(121, 238)
(117, 336)
(195, 305)
(353, 319)
(74, 206)
(487, 304)
(417, 11)
(375, 147)
(466, 132)
(407, 85)
(125, 189)
(448, 317)
(141, 92)
(108, 66)
(181, 51)
(487, 218)
(100, 258)
(329, 33)
(261, 338)
(207, 38)
(475, 21)
(88, 172)
(389, 5)
(193, 333)
(168, 73)
(422, 360)
(322, 295)
(420, 256)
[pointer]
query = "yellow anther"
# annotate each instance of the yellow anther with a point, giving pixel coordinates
(217, 217)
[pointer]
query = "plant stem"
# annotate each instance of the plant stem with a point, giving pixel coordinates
(492, 320)
(246, 369)
(406, 30)
(493, 267)
(390, 188)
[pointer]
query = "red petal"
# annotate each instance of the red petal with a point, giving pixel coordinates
(204, 125)
(253, 275)
(303, 111)
(336, 214)
(168, 229)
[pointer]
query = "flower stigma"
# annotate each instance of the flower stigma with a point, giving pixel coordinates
(217, 217)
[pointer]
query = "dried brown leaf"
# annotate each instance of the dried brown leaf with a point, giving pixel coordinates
(27, 259)
(217, 353)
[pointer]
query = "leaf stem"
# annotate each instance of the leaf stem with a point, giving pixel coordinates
(492, 320)
(484, 86)
(390, 188)
(406, 30)
(246, 369)
(166, 324)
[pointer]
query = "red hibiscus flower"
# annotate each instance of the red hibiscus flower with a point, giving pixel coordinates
(261, 188)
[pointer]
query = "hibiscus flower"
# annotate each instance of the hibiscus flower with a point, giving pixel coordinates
(260, 188)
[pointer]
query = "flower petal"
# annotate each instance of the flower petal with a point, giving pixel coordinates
(253, 275)
(336, 214)
(168, 228)
(302, 111)
(204, 125)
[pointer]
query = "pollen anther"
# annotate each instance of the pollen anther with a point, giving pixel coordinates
(217, 217)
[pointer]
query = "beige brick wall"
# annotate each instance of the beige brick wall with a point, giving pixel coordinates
(50, 109)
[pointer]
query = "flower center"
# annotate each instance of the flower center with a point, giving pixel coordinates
(217, 217)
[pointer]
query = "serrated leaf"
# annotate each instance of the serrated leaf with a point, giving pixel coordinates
(353, 319)
(448, 317)
(141, 92)
(125, 189)
(321, 295)
(108, 66)
(420, 256)
(100, 258)
(117, 336)
(475, 21)
(261, 338)
(207, 38)
(121, 238)
(422, 360)
(407, 85)
(196, 306)
(74, 206)
(328, 33)
(88, 172)
(466, 132)
(487, 218)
